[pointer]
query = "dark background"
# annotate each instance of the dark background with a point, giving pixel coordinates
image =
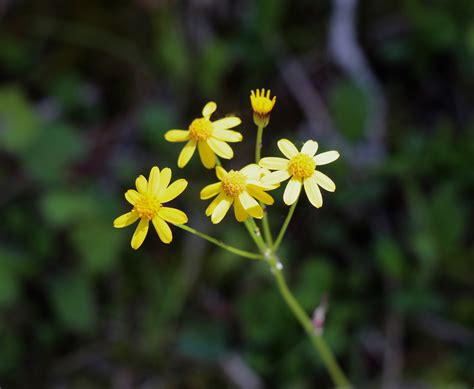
(87, 90)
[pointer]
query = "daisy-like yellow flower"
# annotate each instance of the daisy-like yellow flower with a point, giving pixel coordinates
(240, 188)
(209, 137)
(300, 168)
(262, 106)
(148, 202)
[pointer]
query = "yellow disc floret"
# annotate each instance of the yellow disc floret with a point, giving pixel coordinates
(200, 129)
(147, 206)
(301, 166)
(233, 183)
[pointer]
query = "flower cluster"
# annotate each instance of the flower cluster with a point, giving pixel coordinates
(245, 189)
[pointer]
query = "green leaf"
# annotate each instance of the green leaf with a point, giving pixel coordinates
(19, 122)
(98, 244)
(389, 257)
(72, 299)
(54, 151)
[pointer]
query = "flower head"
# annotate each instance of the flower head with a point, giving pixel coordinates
(301, 168)
(147, 202)
(240, 188)
(209, 137)
(262, 106)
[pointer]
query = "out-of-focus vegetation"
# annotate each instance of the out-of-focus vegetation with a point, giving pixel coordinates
(88, 89)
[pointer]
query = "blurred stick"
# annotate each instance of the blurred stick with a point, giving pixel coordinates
(348, 54)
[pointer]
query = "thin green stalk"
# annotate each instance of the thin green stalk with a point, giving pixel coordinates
(233, 250)
(266, 228)
(258, 144)
(284, 227)
(337, 375)
(254, 232)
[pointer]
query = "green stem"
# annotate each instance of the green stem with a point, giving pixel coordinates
(337, 375)
(254, 232)
(266, 228)
(258, 144)
(284, 226)
(233, 250)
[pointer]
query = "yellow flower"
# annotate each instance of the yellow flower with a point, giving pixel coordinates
(239, 188)
(300, 168)
(262, 106)
(147, 203)
(209, 137)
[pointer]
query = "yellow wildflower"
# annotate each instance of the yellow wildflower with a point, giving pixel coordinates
(209, 137)
(147, 203)
(239, 188)
(300, 168)
(262, 106)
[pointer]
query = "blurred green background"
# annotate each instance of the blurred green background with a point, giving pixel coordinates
(88, 89)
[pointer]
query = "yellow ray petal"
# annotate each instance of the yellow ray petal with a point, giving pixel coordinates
(132, 196)
(173, 215)
(165, 178)
(288, 149)
(177, 135)
(186, 154)
(221, 210)
(251, 171)
(141, 184)
(174, 190)
(324, 181)
(220, 172)
(260, 195)
(239, 211)
(310, 148)
(226, 123)
(227, 135)
(325, 158)
(126, 219)
(292, 191)
(312, 191)
(214, 203)
(276, 177)
(208, 158)
(274, 163)
(139, 234)
(154, 180)
(163, 230)
(209, 109)
(221, 148)
(250, 205)
(210, 191)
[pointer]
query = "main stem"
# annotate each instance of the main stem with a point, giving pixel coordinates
(337, 375)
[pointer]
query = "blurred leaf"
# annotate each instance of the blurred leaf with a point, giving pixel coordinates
(389, 257)
(155, 120)
(315, 279)
(203, 340)
(349, 108)
(72, 299)
(98, 244)
(19, 122)
(55, 149)
(214, 62)
(62, 207)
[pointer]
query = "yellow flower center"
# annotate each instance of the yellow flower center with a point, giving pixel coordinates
(233, 183)
(147, 207)
(200, 129)
(301, 166)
